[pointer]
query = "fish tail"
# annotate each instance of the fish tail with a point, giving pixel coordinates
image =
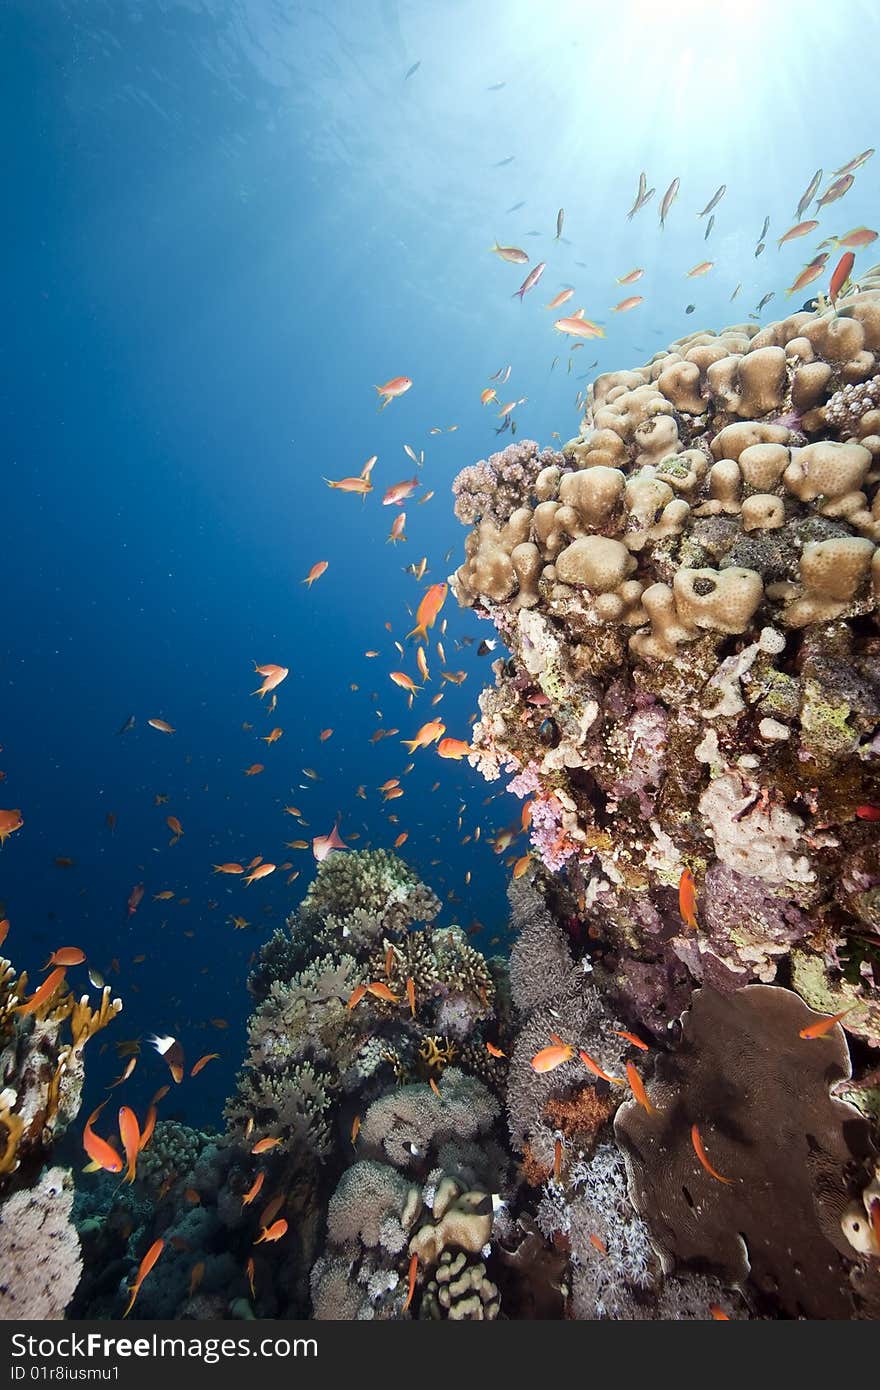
(420, 633)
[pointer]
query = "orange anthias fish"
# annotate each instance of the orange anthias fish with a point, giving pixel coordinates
(455, 748)
(701, 1155)
(260, 872)
(203, 1062)
(52, 982)
(149, 1126)
(361, 485)
(397, 525)
(638, 1089)
(162, 725)
(273, 736)
(522, 865)
(271, 1233)
(264, 1145)
(130, 1134)
(549, 1058)
(228, 869)
(355, 1128)
(825, 1025)
(98, 1149)
(397, 494)
(272, 677)
(397, 386)
(577, 326)
(381, 991)
(174, 825)
(599, 1244)
(322, 845)
(806, 277)
(401, 839)
(254, 770)
(10, 821)
(631, 1038)
(411, 1280)
(687, 899)
(411, 996)
(626, 304)
(513, 254)
(858, 237)
(428, 610)
(404, 681)
(429, 733)
(841, 275)
(702, 269)
(801, 229)
(254, 1191)
(559, 299)
(195, 1279)
(144, 1268)
(356, 996)
(67, 955)
(836, 190)
(494, 1051)
(316, 571)
(594, 1067)
(135, 898)
(4, 930)
(631, 277)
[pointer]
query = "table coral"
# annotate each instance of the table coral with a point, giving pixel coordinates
(788, 1152)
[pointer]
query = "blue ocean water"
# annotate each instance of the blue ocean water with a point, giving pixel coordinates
(227, 220)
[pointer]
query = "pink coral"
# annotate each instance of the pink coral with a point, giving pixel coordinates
(495, 487)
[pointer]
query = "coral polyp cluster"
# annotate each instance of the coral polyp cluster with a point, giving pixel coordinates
(689, 601)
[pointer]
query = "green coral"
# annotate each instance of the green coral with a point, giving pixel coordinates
(825, 727)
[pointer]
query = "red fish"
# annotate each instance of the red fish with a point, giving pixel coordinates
(701, 1155)
(594, 1067)
(411, 1286)
(253, 1191)
(687, 899)
(631, 1038)
(818, 1030)
(841, 275)
(98, 1149)
(868, 812)
(42, 996)
(144, 1268)
(638, 1089)
(272, 1233)
(135, 898)
(130, 1134)
(67, 955)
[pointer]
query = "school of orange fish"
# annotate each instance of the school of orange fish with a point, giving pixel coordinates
(102, 1153)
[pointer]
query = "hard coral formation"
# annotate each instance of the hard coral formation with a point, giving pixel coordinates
(787, 1153)
(694, 656)
(40, 1261)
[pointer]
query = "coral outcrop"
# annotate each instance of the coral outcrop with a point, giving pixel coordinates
(694, 670)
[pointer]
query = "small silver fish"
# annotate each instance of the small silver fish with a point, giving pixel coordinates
(766, 300)
(530, 281)
(95, 977)
(735, 293)
(560, 218)
(415, 67)
(642, 197)
(714, 200)
(808, 195)
(709, 225)
(759, 248)
(668, 199)
(764, 229)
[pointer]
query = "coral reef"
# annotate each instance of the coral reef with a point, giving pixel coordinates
(689, 602)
